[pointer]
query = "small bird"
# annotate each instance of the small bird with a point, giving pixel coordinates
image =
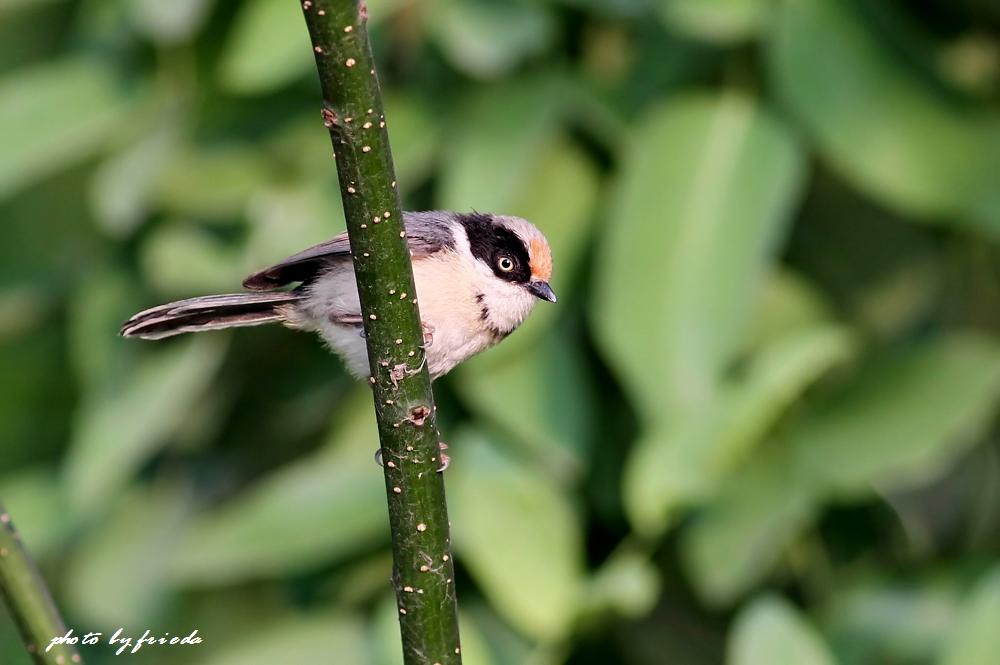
(477, 276)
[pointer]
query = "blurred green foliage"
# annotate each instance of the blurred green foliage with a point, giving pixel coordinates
(760, 427)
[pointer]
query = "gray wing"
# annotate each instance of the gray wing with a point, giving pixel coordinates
(427, 232)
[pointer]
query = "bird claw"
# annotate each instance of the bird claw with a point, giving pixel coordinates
(428, 335)
(445, 459)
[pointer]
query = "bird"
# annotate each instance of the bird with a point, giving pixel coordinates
(477, 278)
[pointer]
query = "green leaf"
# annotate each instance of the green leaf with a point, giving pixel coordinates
(771, 631)
(543, 397)
(882, 128)
(37, 397)
(775, 376)
(115, 576)
(487, 39)
(628, 583)
(215, 182)
(706, 192)
(679, 464)
(740, 534)
(976, 640)
(322, 508)
(415, 135)
(269, 46)
(899, 618)
(53, 115)
(123, 185)
(99, 305)
(120, 427)
(32, 496)
(518, 535)
(10, 6)
(22, 309)
(722, 21)
(489, 156)
(316, 637)
(613, 8)
(904, 418)
(170, 22)
(788, 303)
(209, 265)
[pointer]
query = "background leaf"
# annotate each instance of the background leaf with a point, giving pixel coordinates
(921, 153)
(976, 640)
(693, 178)
(298, 638)
(487, 39)
(484, 160)
(519, 537)
(771, 631)
(322, 508)
(34, 104)
(267, 48)
(672, 219)
(518, 395)
(40, 511)
(905, 418)
(757, 512)
(770, 378)
(118, 430)
(715, 20)
(170, 22)
(117, 572)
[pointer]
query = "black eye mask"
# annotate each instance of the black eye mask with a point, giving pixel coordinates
(490, 242)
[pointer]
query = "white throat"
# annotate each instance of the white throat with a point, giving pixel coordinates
(503, 305)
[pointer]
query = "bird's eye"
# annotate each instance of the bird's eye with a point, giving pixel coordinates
(505, 264)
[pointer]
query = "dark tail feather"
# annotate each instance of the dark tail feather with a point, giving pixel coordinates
(208, 313)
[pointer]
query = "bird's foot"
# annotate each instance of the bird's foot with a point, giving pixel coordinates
(445, 459)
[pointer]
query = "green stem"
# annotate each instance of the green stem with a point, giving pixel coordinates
(423, 572)
(28, 600)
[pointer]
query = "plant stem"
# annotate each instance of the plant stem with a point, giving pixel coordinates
(423, 572)
(28, 600)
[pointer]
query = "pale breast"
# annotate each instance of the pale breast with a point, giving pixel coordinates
(450, 310)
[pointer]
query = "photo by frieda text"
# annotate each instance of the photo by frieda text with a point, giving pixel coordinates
(125, 643)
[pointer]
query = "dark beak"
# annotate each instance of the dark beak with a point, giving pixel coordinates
(542, 290)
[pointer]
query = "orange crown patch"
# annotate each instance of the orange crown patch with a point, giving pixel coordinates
(541, 259)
